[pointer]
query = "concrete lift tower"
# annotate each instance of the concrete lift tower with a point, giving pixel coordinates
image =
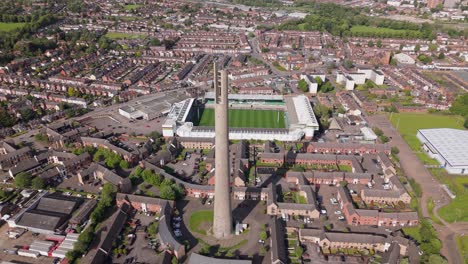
(222, 226)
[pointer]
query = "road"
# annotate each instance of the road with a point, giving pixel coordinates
(431, 188)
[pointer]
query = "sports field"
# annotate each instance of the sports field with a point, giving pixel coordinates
(10, 26)
(118, 35)
(247, 118)
(408, 124)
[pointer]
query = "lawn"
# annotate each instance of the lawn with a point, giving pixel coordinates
(409, 123)
(247, 118)
(376, 31)
(118, 35)
(132, 6)
(462, 243)
(299, 199)
(412, 232)
(345, 168)
(10, 26)
(456, 211)
(199, 219)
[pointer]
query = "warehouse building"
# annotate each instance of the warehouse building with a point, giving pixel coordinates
(448, 146)
(47, 213)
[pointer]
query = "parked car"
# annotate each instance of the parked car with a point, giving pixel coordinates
(337, 212)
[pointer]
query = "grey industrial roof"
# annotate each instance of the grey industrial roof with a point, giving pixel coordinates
(450, 143)
(40, 221)
(56, 205)
(200, 259)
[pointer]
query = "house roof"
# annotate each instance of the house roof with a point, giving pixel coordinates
(24, 165)
(278, 245)
(113, 228)
(142, 199)
(165, 229)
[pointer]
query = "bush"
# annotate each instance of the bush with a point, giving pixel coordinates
(23, 180)
(38, 183)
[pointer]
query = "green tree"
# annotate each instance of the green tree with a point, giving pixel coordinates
(378, 131)
(395, 150)
(441, 56)
(263, 235)
(326, 87)
(417, 48)
(379, 44)
(303, 86)
(71, 92)
(124, 164)
(166, 192)
(38, 183)
(370, 43)
(321, 110)
(23, 180)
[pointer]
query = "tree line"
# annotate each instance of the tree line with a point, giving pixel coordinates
(339, 20)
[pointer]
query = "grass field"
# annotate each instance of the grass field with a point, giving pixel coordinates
(376, 31)
(412, 232)
(117, 35)
(10, 26)
(456, 211)
(408, 125)
(199, 218)
(462, 243)
(132, 7)
(247, 118)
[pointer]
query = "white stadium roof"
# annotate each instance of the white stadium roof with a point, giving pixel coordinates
(451, 144)
(304, 112)
(210, 95)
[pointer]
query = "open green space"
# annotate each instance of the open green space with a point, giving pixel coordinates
(200, 218)
(462, 244)
(246, 118)
(299, 199)
(409, 123)
(345, 168)
(366, 31)
(132, 6)
(118, 35)
(413, 232)
(10, 26)
(455, 211)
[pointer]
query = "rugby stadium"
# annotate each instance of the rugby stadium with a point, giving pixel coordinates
(251, 117)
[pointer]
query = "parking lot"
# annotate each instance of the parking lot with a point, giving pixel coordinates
(327, 193)
(119, 124)
(140, 250)
(188, 166)
(26, 239)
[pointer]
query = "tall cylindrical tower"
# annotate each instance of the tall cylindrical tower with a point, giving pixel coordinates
(222, 226)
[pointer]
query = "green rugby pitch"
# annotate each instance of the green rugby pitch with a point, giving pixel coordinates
(246, 118)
